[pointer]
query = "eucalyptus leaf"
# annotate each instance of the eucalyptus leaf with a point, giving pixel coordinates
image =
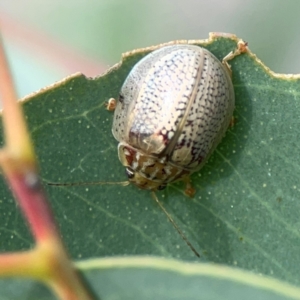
(120, 278)
(245, 211)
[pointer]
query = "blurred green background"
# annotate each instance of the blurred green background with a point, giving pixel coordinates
(50, 39)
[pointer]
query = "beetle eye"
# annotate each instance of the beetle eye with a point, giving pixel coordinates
(129, 173)
(161, 187)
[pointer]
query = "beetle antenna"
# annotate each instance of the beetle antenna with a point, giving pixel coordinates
(175, 225)
(123, 183)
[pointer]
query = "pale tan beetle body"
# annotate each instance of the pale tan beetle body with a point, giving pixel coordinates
(173, 110)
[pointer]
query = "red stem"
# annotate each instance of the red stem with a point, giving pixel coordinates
(34, 205)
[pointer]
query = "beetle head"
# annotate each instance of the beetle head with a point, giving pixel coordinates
(148, 171)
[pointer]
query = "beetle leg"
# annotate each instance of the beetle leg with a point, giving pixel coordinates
(232, 122)
(189, 190)
(111, 104)
(242, 47)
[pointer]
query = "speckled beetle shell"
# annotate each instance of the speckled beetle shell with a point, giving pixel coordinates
(173, 110)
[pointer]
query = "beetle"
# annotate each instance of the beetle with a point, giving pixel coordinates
(172, 112)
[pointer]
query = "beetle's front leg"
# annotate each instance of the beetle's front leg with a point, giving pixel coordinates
(111, 104)
(189, 190)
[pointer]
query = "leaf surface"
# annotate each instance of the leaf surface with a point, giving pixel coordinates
(153, 278)
(246, 209)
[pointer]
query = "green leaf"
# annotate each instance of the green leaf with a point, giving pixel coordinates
(245, 211)
(161, 279)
